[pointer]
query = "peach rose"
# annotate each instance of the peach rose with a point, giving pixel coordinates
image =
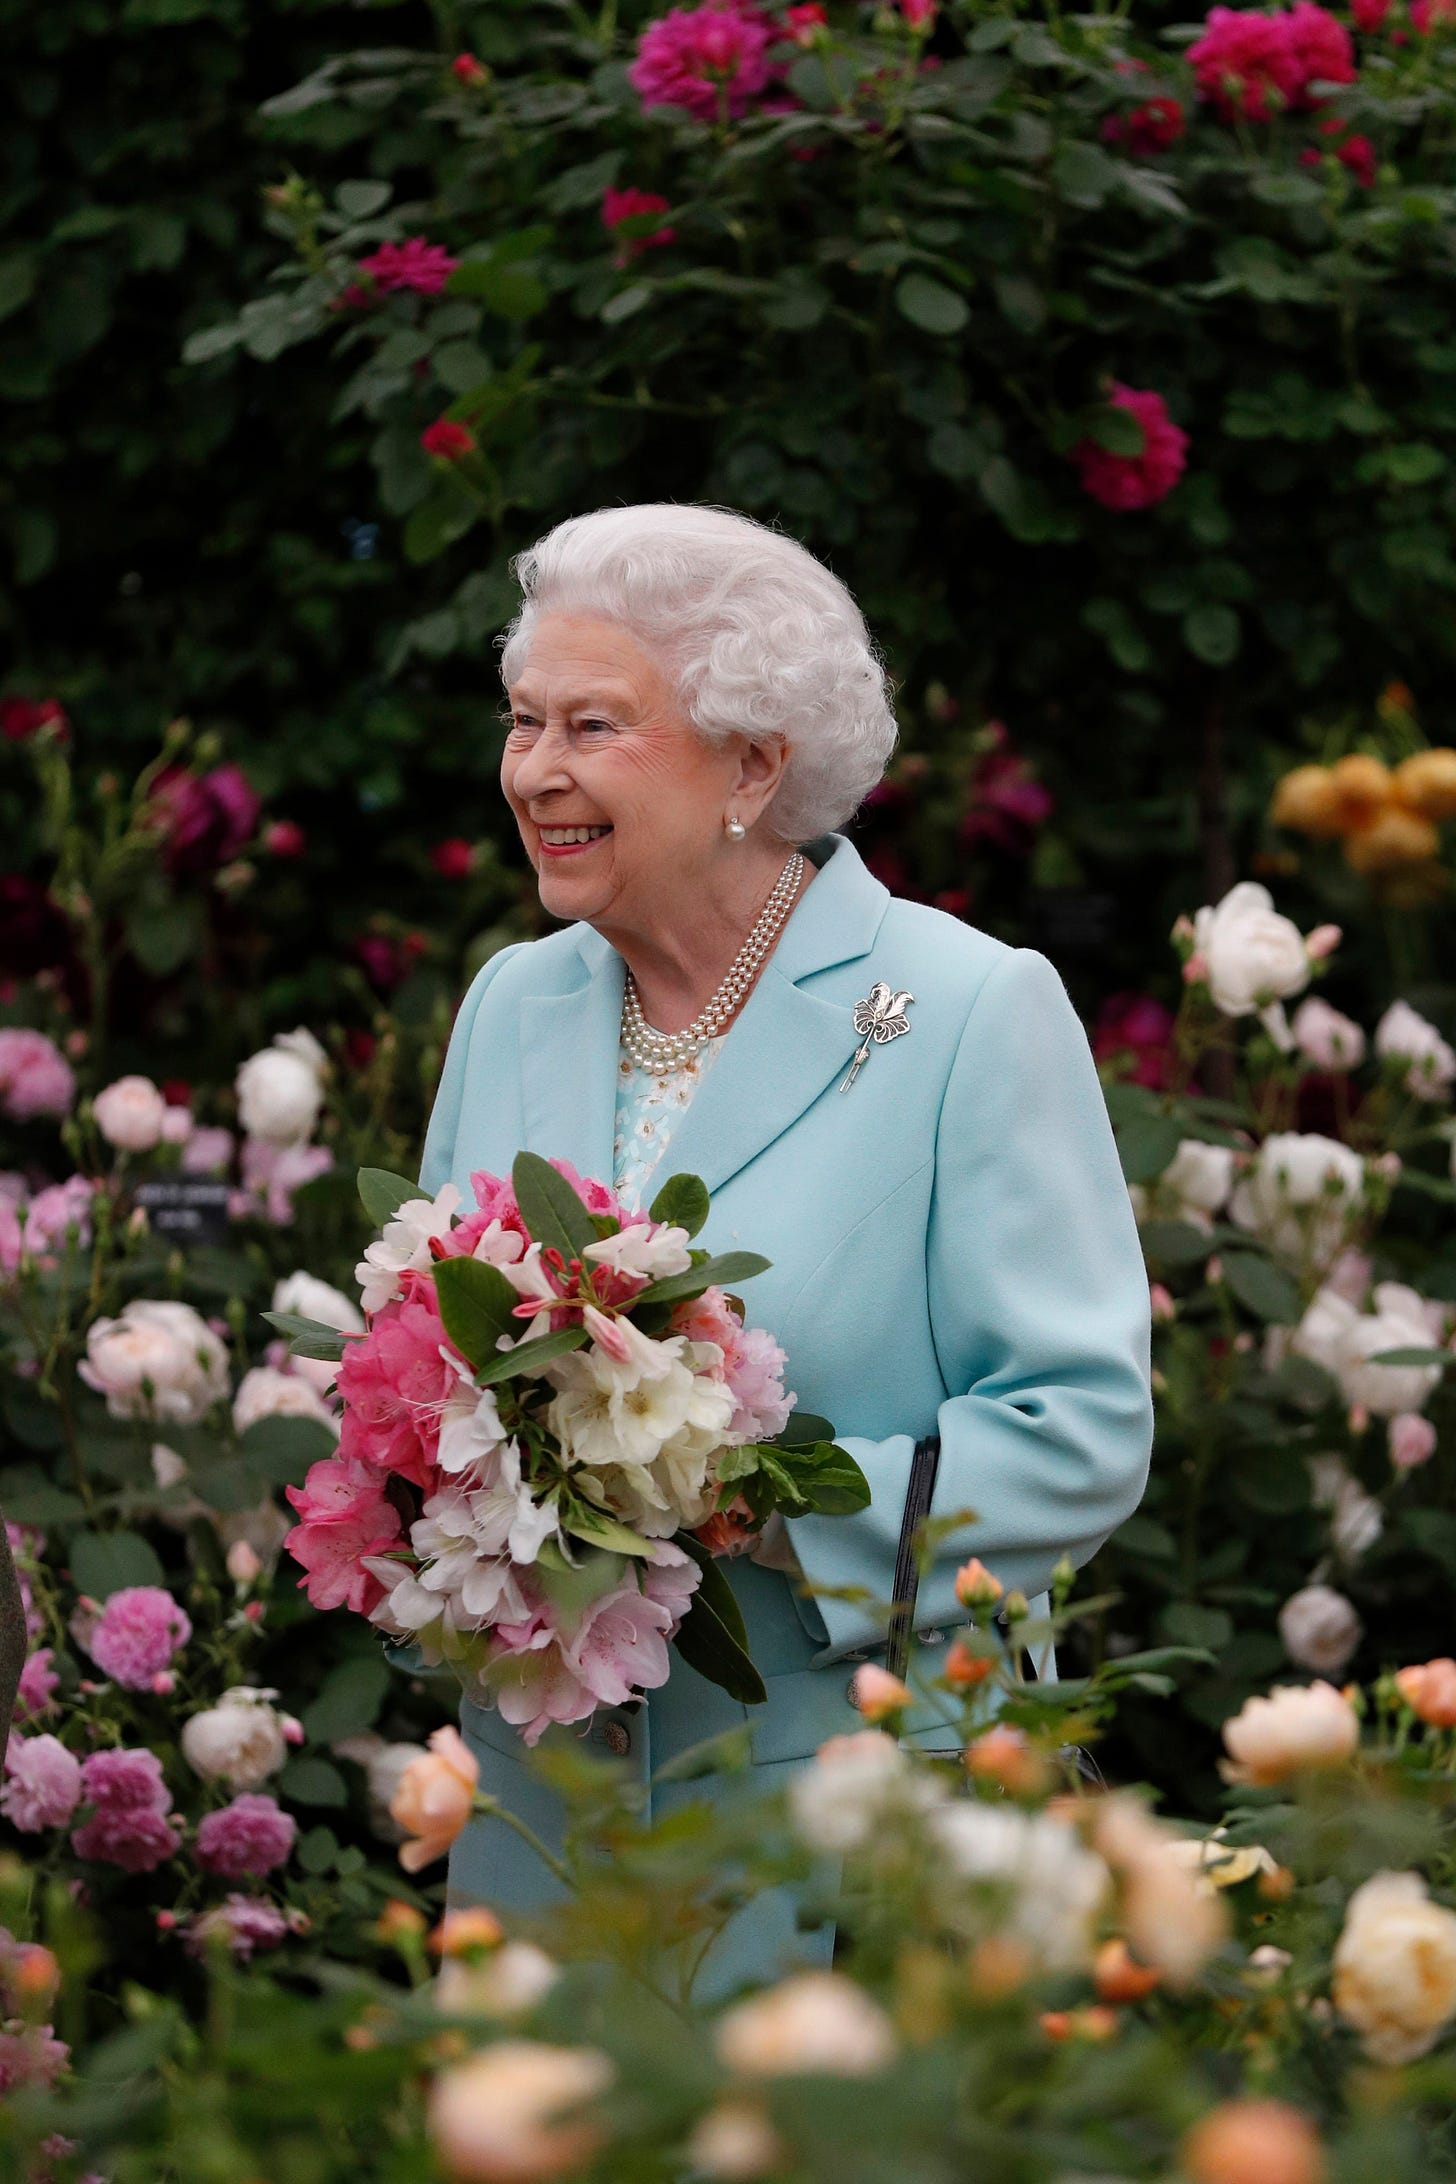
(1254, 2142)
(1395, 1967)
(1430, 1691)
(1297, 1726)
(877, 1694)
(435, 1798)
(497, 2119)
(814, 2022)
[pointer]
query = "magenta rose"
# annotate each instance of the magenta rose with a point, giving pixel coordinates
(251, 1835)
(139, 1631)
(1127, 482)
(705, 60)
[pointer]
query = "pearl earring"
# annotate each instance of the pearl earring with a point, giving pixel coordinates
(734, 829)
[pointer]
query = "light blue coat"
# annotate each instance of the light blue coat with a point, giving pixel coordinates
(953, 1252)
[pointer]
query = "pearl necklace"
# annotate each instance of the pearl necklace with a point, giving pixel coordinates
(656, 1051)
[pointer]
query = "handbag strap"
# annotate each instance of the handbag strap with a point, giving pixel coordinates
(919, 1493)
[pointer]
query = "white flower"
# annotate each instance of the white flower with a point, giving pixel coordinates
(1356, 1518)
(1401, 1031)
(1301, 1195)
(1193, 1187)
(239, 1741)
(1253, 955)
(157, 1360)
(1400, 1321)
(1297, 1726)
(1055, 1887)
(1328, 1039)
(813, 2022)
(281, 1089)
(856, 1786)
(624, 1410)
(266, 1393)
(498, 2117)
(383, 1765)
(404, 1243)
(509, 1983)
(1395, 1967)
(1320, 1629)
(636, 1250)
(308, 1297)
(735, 2140)
(1171, 1914)
(129, 1114)
(470, 1423)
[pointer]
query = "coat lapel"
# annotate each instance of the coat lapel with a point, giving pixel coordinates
(569, 1046)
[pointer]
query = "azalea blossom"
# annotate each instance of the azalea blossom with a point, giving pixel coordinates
(404, 1244)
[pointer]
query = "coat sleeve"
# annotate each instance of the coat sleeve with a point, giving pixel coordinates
(444, 1124)
(1040, 1317)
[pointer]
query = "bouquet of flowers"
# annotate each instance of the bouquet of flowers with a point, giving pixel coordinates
(554, 1422)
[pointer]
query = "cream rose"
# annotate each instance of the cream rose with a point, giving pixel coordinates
(1404, 1033)
(281, 1089)
(1300, 1195)
(853, 1787)
(1319, 1628)
(498, 2118)
(1356, 1518)
(507, 1983)
(1400, 1321)
(158, 1360)
(239, 1741)
(1252, 955)
(1297, 1726)
(1395, 1967)
(813, 2022)
(1325, 1037)
(1193, 1187)
(312, 1299)
(129, 1114)
(264, 1393)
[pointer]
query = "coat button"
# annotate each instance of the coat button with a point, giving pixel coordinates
(931, 1637)
(617, 1737)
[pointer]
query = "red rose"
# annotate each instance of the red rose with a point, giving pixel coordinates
(1135, 481)
(454, 858)
(447, 441)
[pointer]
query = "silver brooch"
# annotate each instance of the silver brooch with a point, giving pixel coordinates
(879, 1018)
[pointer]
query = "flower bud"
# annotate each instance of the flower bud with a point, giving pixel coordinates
(975, 1587)
(877, 1694)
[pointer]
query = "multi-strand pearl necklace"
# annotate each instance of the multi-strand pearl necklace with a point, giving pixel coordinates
(657, 1051)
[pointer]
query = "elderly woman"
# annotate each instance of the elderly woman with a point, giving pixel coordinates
(696, 709)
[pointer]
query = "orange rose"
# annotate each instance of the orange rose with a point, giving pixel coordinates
(1361, 788)
(1118, 1975)
(434, 1799)
(1390, 840)
(1308, 801)
(1004, 1755)
(1254, 2142)
(1430, 1692)
(1426, 783)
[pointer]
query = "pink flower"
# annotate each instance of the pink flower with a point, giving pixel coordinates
(1322, 47)
(31, 2056)
(468, 70)
(454, 858)
(448, 441)
(22, 718)
(251, 1835)
(633, 204)
(1245, 65)
(415, 264)
(804, 22)
(345, 1515)
(140, 1629)
(204, 819)
(1358, 154)
(132, 1823)
(42, 1783)
(1127, 482)
(394, 1383)
(1368, 15)
(208, 1151)
(284, 838)
(245, 1923)
(274, 1172)
(705, 60)
(37, 1687)
(1008, 806)
(1155, 126)
(1139, 1028)
(35, 1077)
(919, 14)
(1412, 1440)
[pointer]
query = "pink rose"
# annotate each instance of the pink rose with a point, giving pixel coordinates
(37, 1687)
(245, 1923)
(132, 1823)
(1411, 1440)
(42, 1783)
(415, 264)
(274, 1172)
(251, 1835)
(705, 60)
(1126, 482)
(35, 1077)
(139, 1630)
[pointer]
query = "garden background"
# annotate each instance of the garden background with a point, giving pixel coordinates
(1106, 356)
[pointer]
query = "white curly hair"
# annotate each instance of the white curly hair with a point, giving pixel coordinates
(763, 640)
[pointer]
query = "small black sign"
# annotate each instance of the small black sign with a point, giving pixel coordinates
(193, 1209)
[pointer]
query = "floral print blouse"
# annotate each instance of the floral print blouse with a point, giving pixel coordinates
(650, 1105)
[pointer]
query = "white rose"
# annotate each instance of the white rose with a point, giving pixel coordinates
(239, 1741)
(1253, 955)
(1320, 1629)
(264, 1393)
(508, 1983)
(1401, 1031)
(1325, 1037)
(1301, 1195)
(1324, 1332)
(735, 2140)
(1054, 1887)
(280, 1090)
(1400, 1321)
(498, 2117)
(1356, 1518)
(384, 1765)
(158, 1360)
(1297, 1726)
(129, 1114)
(813, 2022)
(312, 1299)
(1199, 1178)
(1395, 1967)
(1171, 1914)
(852, 1787)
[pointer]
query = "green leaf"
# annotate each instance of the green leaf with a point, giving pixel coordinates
(383, 1193)
(827, 1478)
(1173, 1243)
(711, 1637)
(1116, 428)
(313, 1782)
(308, 1337)
(802, 1429)
(930, 305)
(529, 1357)
(600, 1529)
(1186, 1623)
(28, 1497)
(731, 1752)
(553, 1213)
(1212, 633)
(1412, 1354)
(732, 1266)
(280, 1449)
(361, 200)
(477, 1305)
(1261, 1287)
(17, 282)
(349, 1699)
(103, 1562)
(683, 1202)
(626, 302)
(1147, 1144)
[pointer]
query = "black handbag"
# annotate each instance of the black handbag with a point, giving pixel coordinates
(920, 1491)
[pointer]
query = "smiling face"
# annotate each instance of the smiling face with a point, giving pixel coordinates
(620, 802)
